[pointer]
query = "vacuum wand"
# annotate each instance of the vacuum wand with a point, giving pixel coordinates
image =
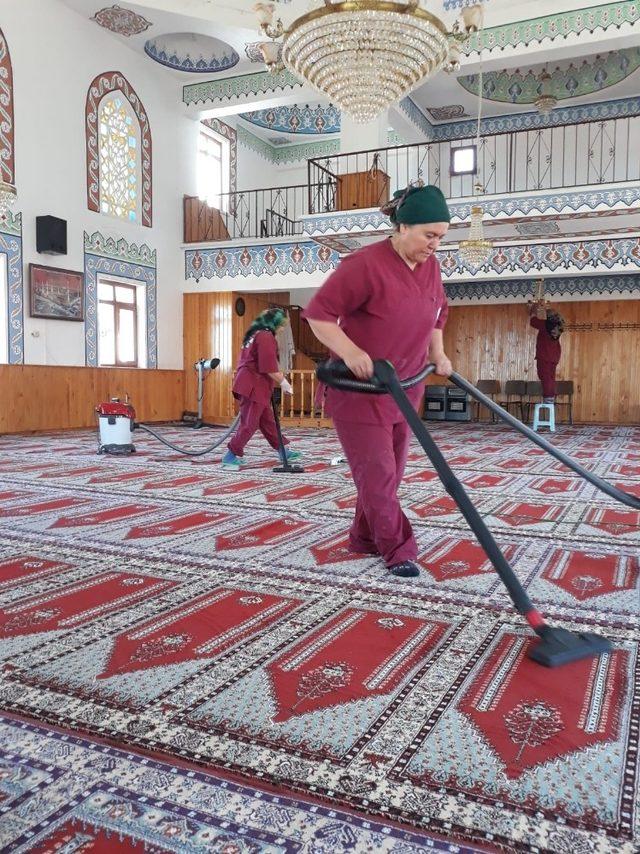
(556, 646)
(286, 466)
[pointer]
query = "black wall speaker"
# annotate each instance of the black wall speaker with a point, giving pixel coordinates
(51, 235)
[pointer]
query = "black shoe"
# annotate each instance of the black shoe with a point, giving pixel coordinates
(406, 569)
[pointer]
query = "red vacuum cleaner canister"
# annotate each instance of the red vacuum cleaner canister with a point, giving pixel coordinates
(116, 422)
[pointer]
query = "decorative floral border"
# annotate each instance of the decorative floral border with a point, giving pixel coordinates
(11, 246)
(269, 259)
(286, 153)
(7, 120)
(111, 81)
(292, 118)
(256, 83)
(600, 111)
(552, 27)
(185, 63)
(609, 199)
(585, 78)
(525, 288)
(505, 261)
(548, 258)
(118, 258)
(229, 133)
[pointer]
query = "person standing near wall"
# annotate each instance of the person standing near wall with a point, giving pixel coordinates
(550, 326)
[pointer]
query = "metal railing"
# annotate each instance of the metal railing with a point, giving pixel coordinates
(574, 155)
(272, 212)
(598, 152)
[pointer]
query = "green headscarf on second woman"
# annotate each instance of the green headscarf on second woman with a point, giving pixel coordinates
(271, 319)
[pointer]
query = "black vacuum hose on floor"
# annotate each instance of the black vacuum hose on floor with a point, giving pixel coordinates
(189, 453)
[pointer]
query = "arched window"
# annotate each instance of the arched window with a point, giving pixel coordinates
(119, 158)
(118, 150)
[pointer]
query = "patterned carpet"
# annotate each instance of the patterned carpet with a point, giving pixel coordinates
(217, 618)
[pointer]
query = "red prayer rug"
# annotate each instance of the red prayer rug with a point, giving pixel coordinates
(220, 618)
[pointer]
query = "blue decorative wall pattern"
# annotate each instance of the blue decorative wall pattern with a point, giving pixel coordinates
(295, 119)
(264, 260)
(549, 257)
(620, 197)
(519, 121)
(11, 247)
(518, 259)
(120, 259)
(525, 288)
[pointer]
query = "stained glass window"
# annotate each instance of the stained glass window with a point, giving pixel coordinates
(118, 145)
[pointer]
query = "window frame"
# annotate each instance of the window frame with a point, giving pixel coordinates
(225, 168)
(137, 129)
(130, 306)
(454, 173)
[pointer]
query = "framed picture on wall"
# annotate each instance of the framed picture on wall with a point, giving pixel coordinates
(56, 294)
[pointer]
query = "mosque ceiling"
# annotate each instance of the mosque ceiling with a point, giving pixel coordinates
(591, 53)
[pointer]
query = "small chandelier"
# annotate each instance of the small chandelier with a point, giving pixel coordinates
(363, 54)
(546, 101)
(475, 251)
(7, 196)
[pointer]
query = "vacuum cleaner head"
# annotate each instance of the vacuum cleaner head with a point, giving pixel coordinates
(559, 646)
(289, 469)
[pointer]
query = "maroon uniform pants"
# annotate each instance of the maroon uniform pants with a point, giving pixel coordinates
(377, 454)
(254, 415)
(547, 375)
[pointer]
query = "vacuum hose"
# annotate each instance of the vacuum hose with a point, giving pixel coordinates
(337, 375)
(189, 453)
(556, 645)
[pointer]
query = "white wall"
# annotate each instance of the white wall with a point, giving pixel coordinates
(56, 53)
(256, 171)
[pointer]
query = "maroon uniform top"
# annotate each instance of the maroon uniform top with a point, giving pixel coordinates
(258, 358)
(389, 311)
(548, 349)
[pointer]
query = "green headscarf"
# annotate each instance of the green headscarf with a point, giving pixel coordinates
(417, 205)
(270, 319)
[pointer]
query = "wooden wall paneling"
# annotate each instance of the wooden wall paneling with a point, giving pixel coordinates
(207, 334)
(41, 397)
(213, 329)
(483, 341)
(496, 342)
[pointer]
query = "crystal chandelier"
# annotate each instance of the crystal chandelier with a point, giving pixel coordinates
(475, 250)
(363, 54)
(7, 196)
(546, 101)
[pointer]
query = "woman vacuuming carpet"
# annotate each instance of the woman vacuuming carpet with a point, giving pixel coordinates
(385, 301)
(258, 373)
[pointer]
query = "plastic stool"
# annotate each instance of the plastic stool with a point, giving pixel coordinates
(540, 422)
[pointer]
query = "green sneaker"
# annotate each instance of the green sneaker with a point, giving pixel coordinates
(231, 462)
(291, 455)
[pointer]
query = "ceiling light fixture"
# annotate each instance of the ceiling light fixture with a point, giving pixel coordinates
(546, 101)
(363, 55)
(476, 249)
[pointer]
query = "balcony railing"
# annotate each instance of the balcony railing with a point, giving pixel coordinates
(566, 156)
(272, 212)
